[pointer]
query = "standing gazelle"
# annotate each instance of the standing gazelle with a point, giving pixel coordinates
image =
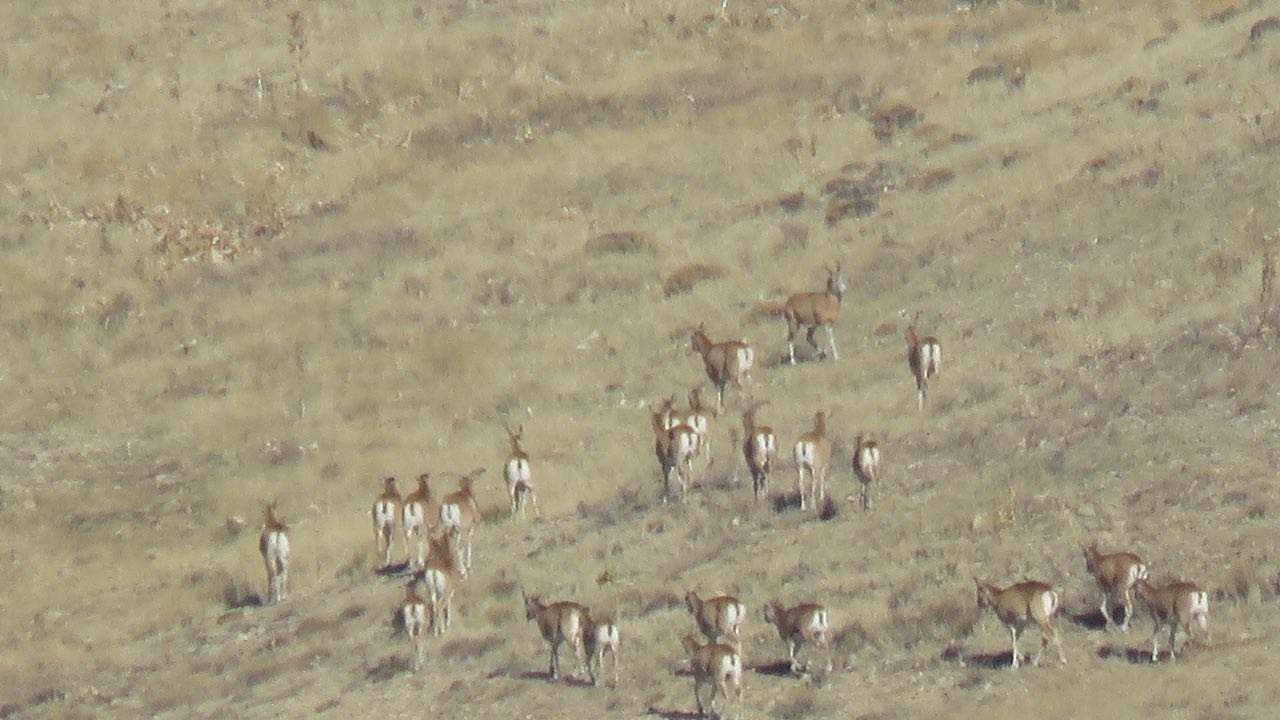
(559, 623)
(420, 513)
(518, 475)
(600, 635)
(725, 362)
(1116, 574)
(385, 509)
(813, 453)
(700, 420)
(413, 613)
(812, 310)
(803, 624)
(924, 356)
(866, 466)
(1021, 604)
(760, 448)
(718, 616)
(273, 543)
(459, 510)
(1178, 604)
(441, 575)
(675, 446)
(718, 665)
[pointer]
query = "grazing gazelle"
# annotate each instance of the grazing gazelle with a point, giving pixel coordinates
(718, 616)
(1021, 604)
(812, 310)
(803, 624)
(924, 356)
(726, 362)
(440, 576)
(675, 446)
(419, 514)
(560, 622)
(760, 448)
(385, 509)
(813, 453)
(866, 466)
(1178, 604)
(718, 665)
(1116, 574)
(413, 612)
(273, 543)
(700, 420)
(600, 635)
(518, 475)
(459, 510)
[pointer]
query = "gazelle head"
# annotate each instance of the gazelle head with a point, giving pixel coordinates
(772, 611)
(467, 482)
(820, 422)
(423, 479)
(699, 342)
(1091, 556)
(749, 415)
(273, 520)
(695, 401)
(985, 597)
(532, 603)
(516, 437)
(912, 339)
(389, 484)
(836, 284)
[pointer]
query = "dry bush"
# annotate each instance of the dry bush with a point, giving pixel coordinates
(622, 242)
(467, 648)
(930, 179)
(807, 701)
(684, 278)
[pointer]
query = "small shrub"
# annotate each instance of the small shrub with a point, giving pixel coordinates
(626, 242)
(684, 278)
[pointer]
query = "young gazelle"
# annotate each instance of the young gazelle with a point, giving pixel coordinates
(459, 510)
(1116, 574)
(866, 466)
(559, 622)
(1176, 604)
(675, 446)
(924, 356)
(385, 509)
(273, 543)
(600, 635)
(419, 514)
(413, 611)
(716, 664)
(700, 420)
(813, 453)
(718, 616)
(800, 625)
(725, 362)
(1021, 604)
(518, 475)
(441, 575)
(812, 310)
(760, 448)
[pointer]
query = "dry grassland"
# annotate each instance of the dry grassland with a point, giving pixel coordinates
(249, 258)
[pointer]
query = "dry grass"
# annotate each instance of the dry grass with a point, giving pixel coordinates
(252, 258)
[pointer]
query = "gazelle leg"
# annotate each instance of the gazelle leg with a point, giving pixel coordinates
(1014, 631)
(831, 337)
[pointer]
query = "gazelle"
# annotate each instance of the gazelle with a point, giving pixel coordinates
(717, 617)
(600, 635)
(924, 356)
(725, 362)
(760, 448)
(559, 622)
(1021, 604)
(700, 420)
(1176, 604)
(413, 611)
(812, 310)
(420, 512)
(385, 509)
(518, 475)
(459, 510)
(675, 446)
(813, 454)
(866, 466)
(800, 625)
(1116, 575)
(440, 577)
(273, 543)
(717, 665)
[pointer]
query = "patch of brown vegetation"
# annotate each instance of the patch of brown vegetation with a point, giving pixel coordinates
(686, 277)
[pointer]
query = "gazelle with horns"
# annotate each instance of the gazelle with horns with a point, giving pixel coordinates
(385, 509)
(273, 543)
(924, 357)
(460, 510)
(866, 466)
(725, 362)
(760, 448)
(813, 454)
(675, 444)
(812, 310)
(419, 515)
(518, 475)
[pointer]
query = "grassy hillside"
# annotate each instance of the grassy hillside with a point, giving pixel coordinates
(278, 251)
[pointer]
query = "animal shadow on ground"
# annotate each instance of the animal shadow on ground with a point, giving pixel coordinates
(545, 676)
(389, 667)
(1133, 655)
(778, 668)
(785, 502)
(673, 714)
(989, 661)
(1094, 620)
(393, 569)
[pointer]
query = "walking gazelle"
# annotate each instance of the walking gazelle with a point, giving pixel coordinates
(519, 475)
(866, 466)
(273, 543)
(924, 357)
(385, 509)
(760, 448)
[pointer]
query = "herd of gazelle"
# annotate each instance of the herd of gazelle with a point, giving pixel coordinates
(440, 531)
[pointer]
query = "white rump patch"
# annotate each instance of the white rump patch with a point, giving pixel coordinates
(1049, 602)
(805, 452)
(450, 515)
(413, 516)
(746, 359)
(518, 471)
(1137, 572)
(1199, 603)
(818, 622)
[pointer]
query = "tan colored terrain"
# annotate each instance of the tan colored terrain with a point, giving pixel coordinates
(251, 258)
